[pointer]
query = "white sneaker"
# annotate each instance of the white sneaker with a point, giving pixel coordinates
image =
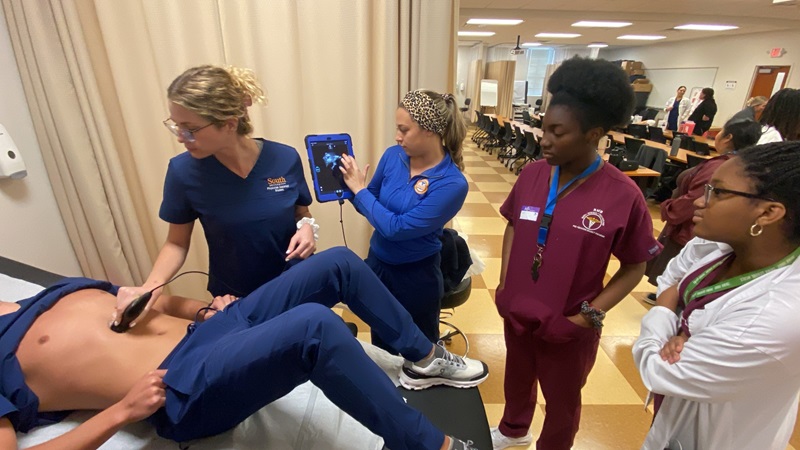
(445, 368)
(501, 441)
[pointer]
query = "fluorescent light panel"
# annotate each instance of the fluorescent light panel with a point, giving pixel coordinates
(494, 21)
(641, 37)
(558, 35)
(476, 33)
(706, 27)
(600, 24)
(531, 44)
(597, 45)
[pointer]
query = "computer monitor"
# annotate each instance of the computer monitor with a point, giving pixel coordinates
(701, 148)
(638, 131)
(687, 142)
(632, 147)
(657, 135)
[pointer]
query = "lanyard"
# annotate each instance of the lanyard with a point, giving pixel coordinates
(552, 198)
(691, 294)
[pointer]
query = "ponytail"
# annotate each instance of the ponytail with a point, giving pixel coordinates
(454, 132)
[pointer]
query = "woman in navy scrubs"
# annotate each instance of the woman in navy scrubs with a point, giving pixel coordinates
(417, 188)
(249, 194)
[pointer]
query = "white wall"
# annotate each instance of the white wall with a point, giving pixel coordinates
(735, 57)
(30, 224)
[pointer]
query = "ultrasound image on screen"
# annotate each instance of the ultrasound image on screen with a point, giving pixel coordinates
(327, 158)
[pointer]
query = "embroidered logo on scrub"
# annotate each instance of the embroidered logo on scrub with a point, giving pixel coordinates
(421, 186)
(592, 221)
(529, 213)
(277, 184)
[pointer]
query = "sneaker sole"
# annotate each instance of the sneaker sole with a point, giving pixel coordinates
(420, 382)
(524, 442)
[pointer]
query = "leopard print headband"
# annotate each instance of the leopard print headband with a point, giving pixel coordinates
(422, 109)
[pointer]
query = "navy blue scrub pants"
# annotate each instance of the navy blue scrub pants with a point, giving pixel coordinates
(259, 348)
(418, 286)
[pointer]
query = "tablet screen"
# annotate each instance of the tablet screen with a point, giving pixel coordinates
(326, 156)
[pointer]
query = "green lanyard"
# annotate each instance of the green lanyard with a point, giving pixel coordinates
(734, 282)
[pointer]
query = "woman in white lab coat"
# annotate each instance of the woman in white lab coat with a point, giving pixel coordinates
(721, 345)
(677, 108)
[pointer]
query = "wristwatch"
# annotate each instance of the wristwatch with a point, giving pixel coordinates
(310, 221)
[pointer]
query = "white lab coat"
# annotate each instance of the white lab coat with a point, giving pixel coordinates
(769, 134)
(684, 108)
(737, 382)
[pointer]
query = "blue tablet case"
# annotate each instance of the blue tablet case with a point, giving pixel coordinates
(324, 155)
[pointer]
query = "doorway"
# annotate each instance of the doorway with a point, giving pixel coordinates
(769, 80)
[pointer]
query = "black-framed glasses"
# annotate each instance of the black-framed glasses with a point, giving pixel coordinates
(187, 135)
(709, 189)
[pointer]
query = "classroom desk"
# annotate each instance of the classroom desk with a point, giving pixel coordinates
(619, 137)
(710, 142)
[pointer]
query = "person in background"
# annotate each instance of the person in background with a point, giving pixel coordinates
(704, 111)
(754, 107)
(677, 109)
(678, 211)
(249, 194)
(720, 345)
(568, 213)
(781, 117)
(417, 188)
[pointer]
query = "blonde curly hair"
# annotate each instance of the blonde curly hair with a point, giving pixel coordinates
(218, 94)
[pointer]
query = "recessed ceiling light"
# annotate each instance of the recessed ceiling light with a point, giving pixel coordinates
(641, 37)
(597, 45)
(476, 33)
(706, 27)
(601, 24)
(494, 21)
(531, 44)
(558, 35)
(778, 2)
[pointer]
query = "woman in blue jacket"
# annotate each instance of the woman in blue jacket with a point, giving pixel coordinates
(417, 188)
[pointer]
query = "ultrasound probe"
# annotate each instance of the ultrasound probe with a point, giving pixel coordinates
(136, 307)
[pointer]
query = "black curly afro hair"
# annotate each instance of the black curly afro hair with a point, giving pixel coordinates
(597, 91)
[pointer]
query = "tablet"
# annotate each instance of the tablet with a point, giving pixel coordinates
(324, 155)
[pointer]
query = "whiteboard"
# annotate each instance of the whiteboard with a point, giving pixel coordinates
(488, 92)
(666, 81)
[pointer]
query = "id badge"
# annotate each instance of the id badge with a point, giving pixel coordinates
(529, 213)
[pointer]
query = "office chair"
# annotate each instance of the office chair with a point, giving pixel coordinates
(526, 117)
(455, 262)
(529, 153)
(649, 114)
(693, 160)
(518, 145)
(465, 108)
(632, 146)
(655, 159)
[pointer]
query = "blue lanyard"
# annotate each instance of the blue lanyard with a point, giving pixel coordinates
(552, 198)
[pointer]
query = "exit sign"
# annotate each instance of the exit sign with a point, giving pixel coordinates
(776, 52)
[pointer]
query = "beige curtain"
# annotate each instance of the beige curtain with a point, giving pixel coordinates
(328, 66)
(474, 78)
(78, 148)
(503, 72)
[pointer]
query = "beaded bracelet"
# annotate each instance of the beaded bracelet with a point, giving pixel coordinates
(593, 315)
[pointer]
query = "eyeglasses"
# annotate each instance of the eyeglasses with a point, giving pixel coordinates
(709, 189)
(186, 135)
